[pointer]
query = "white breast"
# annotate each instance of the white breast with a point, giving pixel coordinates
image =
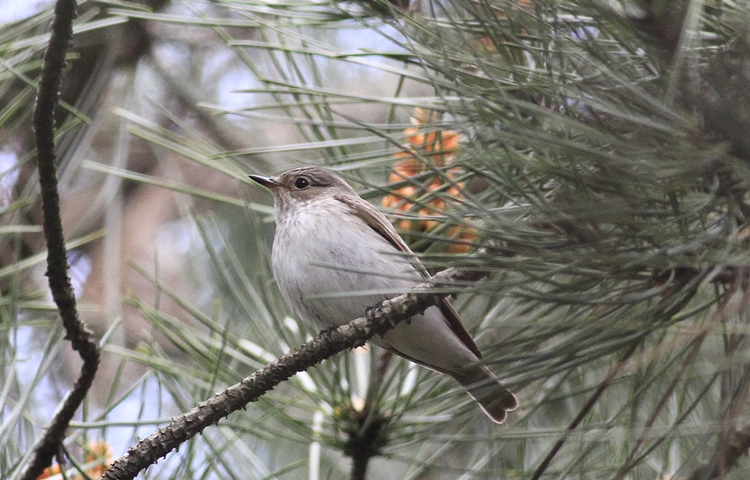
(330, 265)
(333, 266)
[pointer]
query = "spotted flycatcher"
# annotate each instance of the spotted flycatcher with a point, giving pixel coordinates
(335, 255)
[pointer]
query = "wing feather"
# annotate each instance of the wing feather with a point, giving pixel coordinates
(380, 224)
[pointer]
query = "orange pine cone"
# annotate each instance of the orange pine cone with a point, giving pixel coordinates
(440, 147)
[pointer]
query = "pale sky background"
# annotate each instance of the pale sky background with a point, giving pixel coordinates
(11, 10)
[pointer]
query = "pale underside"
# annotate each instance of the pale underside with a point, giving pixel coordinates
(339, 272)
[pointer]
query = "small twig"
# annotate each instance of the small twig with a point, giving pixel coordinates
(364, 428)
(736, 445)
(377, 321)
(666, 396)
(734, 393)
(585, 410)
(82, 340)
(365, 441)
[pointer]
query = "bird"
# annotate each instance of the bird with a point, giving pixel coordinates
(335, 255)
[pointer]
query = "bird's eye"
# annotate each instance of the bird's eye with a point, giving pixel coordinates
(301, 183)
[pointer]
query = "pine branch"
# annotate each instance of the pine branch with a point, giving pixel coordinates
(81, 338)
(377, 320)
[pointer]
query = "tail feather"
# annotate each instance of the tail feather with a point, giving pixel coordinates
(489, 392)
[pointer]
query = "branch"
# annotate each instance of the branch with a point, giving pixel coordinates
(82, 340)
(737, 444)
(378, 320)
(604, 385)
(365, 428)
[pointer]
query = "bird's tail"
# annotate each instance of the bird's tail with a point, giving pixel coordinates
(492, 396)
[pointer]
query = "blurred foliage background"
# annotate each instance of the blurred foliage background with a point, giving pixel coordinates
(598, 150)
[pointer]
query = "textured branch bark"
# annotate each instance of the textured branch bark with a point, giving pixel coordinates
(377, 321)
(82, 339)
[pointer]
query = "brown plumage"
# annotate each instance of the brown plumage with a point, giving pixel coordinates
(334, 255)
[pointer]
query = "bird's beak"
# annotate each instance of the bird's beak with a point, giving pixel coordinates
(268, 182)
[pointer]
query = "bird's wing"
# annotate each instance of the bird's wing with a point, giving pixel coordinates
(377, 221)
